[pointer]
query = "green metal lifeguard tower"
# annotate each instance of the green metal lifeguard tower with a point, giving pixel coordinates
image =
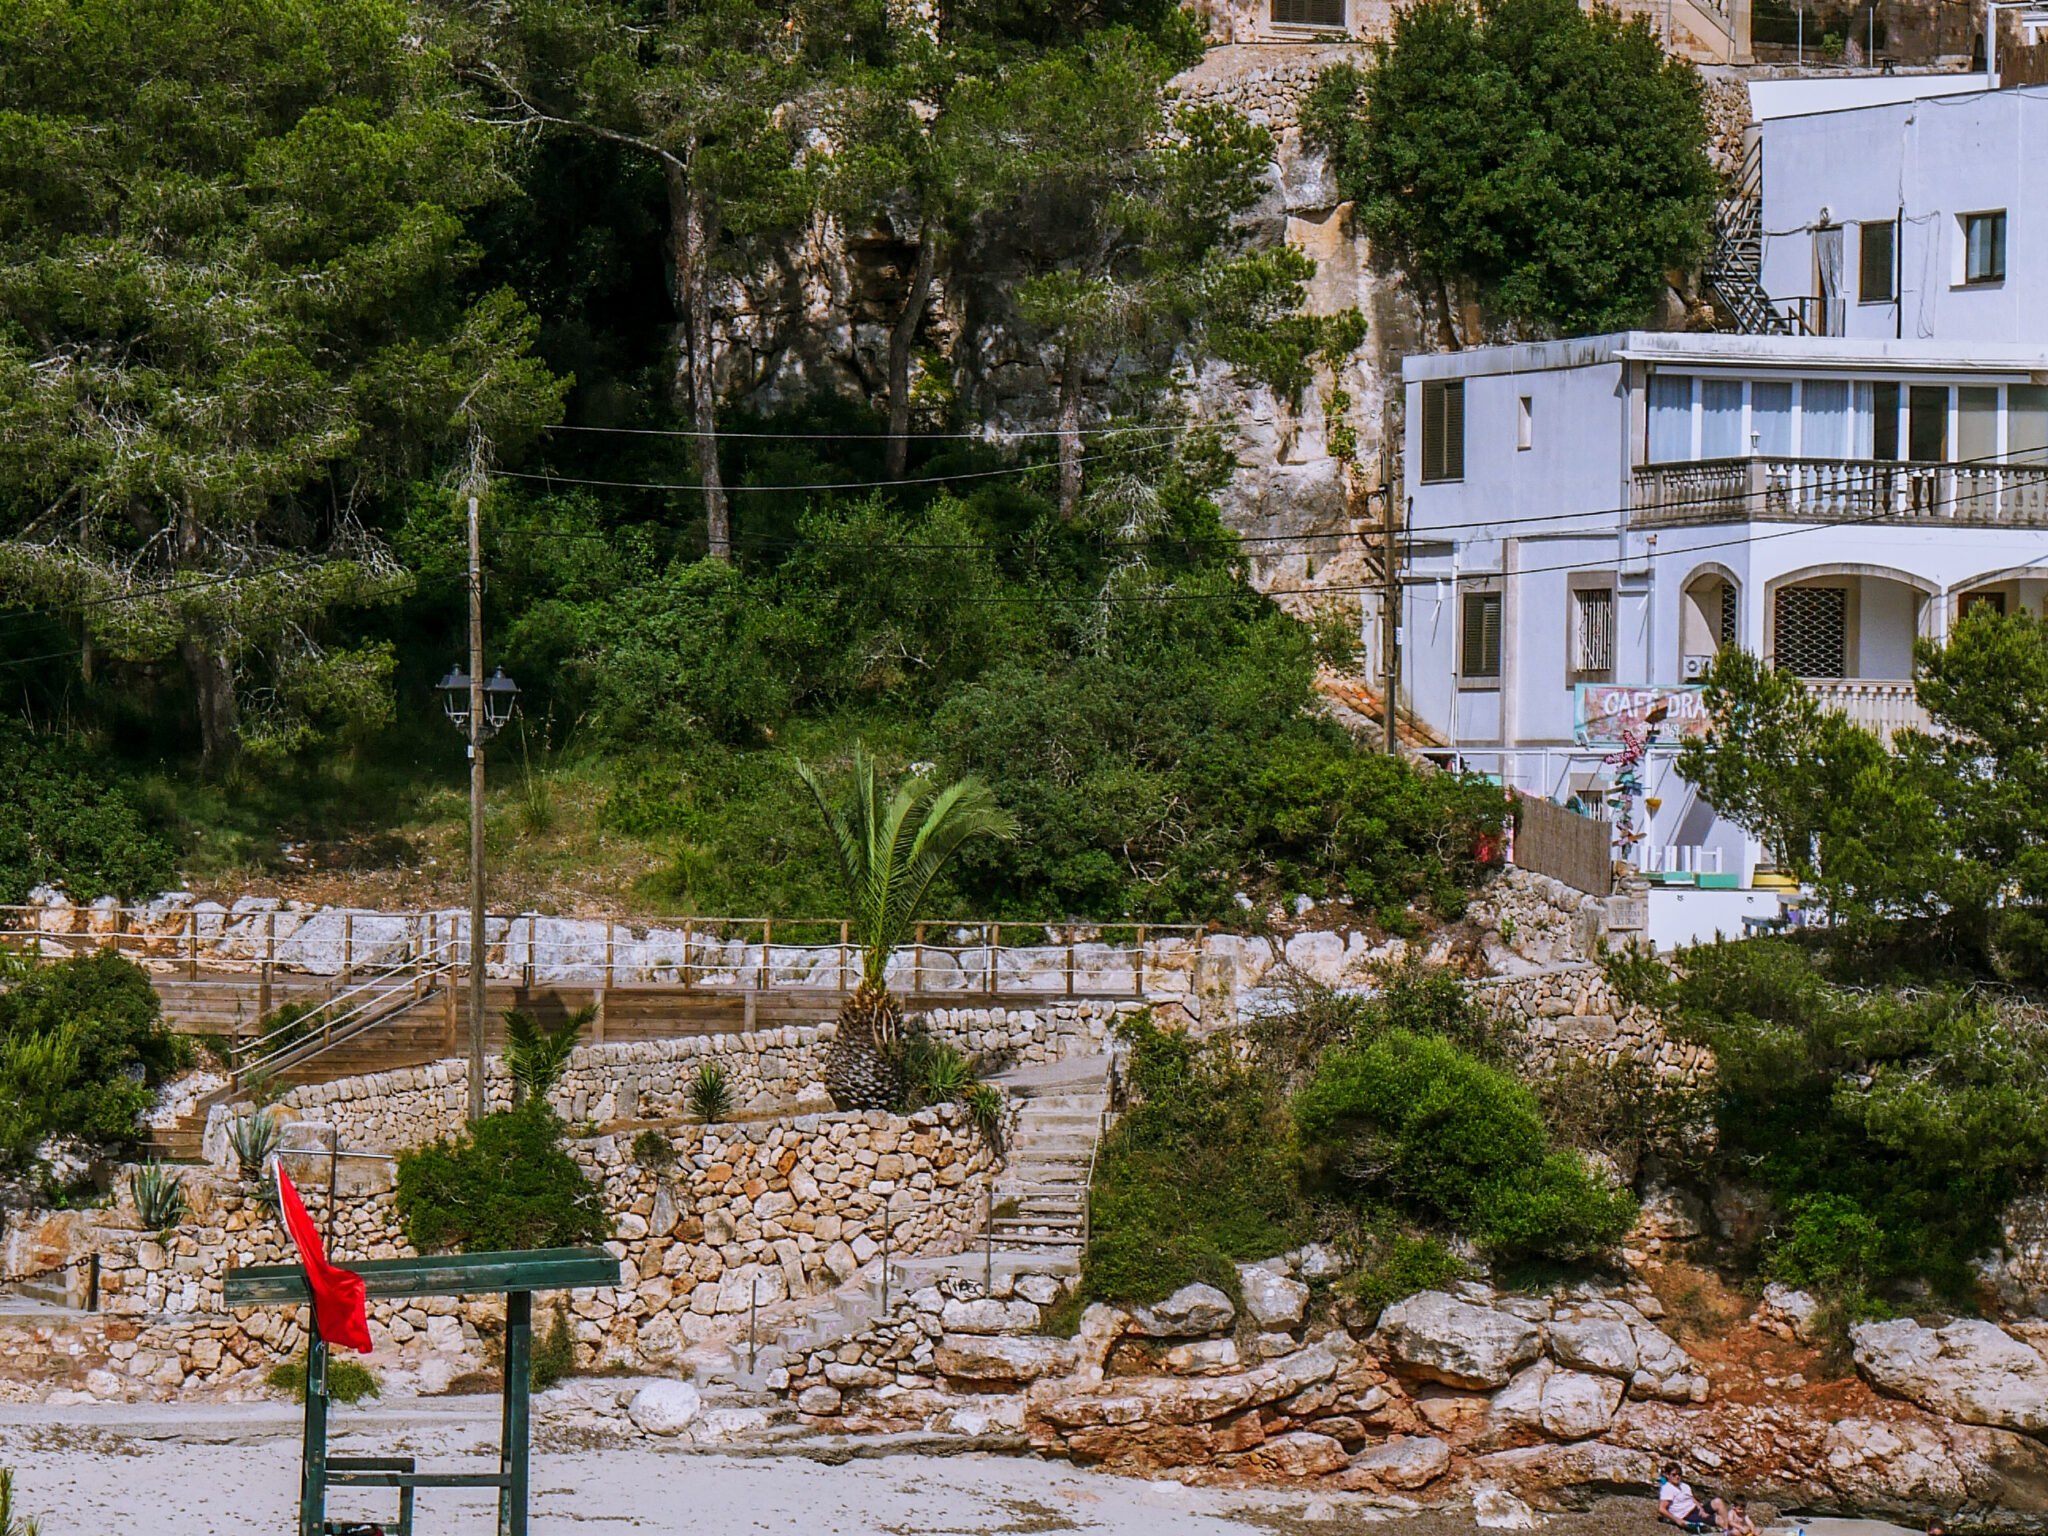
(514, 1275)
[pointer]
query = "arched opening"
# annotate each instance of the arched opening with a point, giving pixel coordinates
(1709, 618)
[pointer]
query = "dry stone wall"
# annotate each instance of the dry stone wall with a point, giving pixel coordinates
(1571, 1011)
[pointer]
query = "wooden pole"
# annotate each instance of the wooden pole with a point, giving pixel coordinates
(917, 965)
(191, 945)
(269, 956)
(1070, 959)
(1138, 970)
(995, 943)
(689, 923)
(348, 947)
(844, 929)
(767, 936)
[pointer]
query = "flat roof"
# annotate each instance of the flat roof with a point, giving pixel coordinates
(1714, 349)
(1846, 93)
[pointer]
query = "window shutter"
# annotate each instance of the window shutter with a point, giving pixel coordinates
(1481, 638)
(1454, 430)
(1595, 639)
(1432, 432)
(1443, 430)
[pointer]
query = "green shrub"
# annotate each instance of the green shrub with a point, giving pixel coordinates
(1831, 1246)
(1555, 1210)
(1637, 975)
(288, 1025)
(710, 1095)
(506, 1183)
(1408, 1265)
(1199, 1172)
(348, 1381)
(554, 1355)
(985, 1106)
(81, 1048)
(1452, 1141)
(62, 823)
(651, 1149)
(12, 1524)
(1920, 1113)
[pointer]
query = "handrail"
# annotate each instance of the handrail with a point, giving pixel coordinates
(381, 984)
(339, 1029)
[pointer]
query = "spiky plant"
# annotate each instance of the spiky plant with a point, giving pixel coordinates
(538, 1057)
(890, 852)
(12, 1524)
(254, 1138)
(159, 1197)
(710, 1094)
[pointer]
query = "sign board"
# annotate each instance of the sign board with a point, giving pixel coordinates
(1601, 710)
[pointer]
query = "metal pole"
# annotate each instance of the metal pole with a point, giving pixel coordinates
(988, 1250)
(753, 1314)
(479, 949)
(333, 1182)
(885, 1256)
(1390, 615)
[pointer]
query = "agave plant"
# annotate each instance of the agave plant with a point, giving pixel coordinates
(12, 1524)
(538, 1057)
(985, 1107)
(159, 1197)
(710, 1095)
(889, 855)
(253, 1138)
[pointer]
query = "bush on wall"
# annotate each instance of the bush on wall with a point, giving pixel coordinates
(505, 1183)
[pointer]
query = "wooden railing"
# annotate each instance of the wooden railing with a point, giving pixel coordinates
(1841, 490)
(319, 954)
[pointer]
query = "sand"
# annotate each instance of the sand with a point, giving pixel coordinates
(193, 1471)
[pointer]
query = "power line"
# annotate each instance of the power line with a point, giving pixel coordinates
(988, 435)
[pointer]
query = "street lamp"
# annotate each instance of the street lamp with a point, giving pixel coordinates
(478, 707)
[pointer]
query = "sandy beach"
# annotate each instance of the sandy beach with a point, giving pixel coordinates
(170, 1470)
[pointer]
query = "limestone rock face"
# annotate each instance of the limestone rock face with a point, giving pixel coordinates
(987, 1315)
(1273, 1300)
(1189, 1312)
(1591, 1466)
(1404, 1461)
(1595, 1344)
(1789, 1311)
(1577, 1404)
(1969, 1370)
(999, 1357)
(1913, 1468)
(1443, 1339)
(1299, 1453)
(664, 1407)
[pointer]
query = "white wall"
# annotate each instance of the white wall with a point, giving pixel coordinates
(1936, 158)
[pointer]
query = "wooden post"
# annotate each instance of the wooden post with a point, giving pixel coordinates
(767, 936)
(1138, 967)
(844, 929)
(526, 973)
(597, 1018)
(1070, 959)
(608, 954)
(191, 945)
(512, 1455)
(348, 947)
(995, 942)
(269, 958)
(689, 923)
(448, 1021)
(916, 966)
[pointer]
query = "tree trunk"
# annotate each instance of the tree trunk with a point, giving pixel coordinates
(1447, 325)
(220, 733)
(687, 223)
(900, 341)
(1070, 433)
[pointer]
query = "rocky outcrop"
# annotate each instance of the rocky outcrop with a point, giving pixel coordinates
(1439, 1338)
(1969, 1370)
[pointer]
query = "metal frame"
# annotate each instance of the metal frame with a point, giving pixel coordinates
(517, 1275)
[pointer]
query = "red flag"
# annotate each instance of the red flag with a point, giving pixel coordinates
(337, 1293)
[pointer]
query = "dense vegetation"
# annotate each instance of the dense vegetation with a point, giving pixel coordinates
(81, 1051)
(504, 1183)
(337, 291)
(1550, 158)
(1402, 1141)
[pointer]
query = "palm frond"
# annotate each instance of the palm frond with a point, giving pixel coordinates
(538, 1057)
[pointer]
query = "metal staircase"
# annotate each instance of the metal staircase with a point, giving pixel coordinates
(1734, 272)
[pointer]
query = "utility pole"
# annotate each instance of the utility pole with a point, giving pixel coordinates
(1390, 613)
(479, 948)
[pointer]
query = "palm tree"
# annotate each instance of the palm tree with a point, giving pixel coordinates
(537, 1057)
(889, 854)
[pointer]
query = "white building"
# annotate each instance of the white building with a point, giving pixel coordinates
(1606, 512)
(1915, 220)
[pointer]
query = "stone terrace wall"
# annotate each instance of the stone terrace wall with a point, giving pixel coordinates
(793, 1206)
(1571, 1011)
(770, 1071)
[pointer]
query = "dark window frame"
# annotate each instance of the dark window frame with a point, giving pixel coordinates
(1482, 617)
(1443, 431)
(1877, 260)
(1994, 266)
(1321, 14)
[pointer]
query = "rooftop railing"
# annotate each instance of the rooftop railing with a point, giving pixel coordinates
(1773, 489)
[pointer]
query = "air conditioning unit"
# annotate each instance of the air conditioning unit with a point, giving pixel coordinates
(1693, 668)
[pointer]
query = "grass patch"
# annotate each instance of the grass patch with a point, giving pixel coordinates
(347, 1381)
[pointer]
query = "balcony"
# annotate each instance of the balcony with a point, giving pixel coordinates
(1784, 490)
(1880, 707)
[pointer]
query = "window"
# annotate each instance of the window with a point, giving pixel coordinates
(1670, 419)
(1812, 630)
(1884, 421)
(2026, 423)
(1927, 423)
(1308, 13)
(1824, 420)
(1875, 262)
(1593, 633)
(1443, 431)
(1525, 434)
(1730, 614)
(1984, 247)
(1995, 601)
(1480, 641)
(1770, 420)
(1976, 425)
(1721, 419)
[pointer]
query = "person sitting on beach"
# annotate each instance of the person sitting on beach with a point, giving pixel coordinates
(1733, 1518)
(1675, 1501)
